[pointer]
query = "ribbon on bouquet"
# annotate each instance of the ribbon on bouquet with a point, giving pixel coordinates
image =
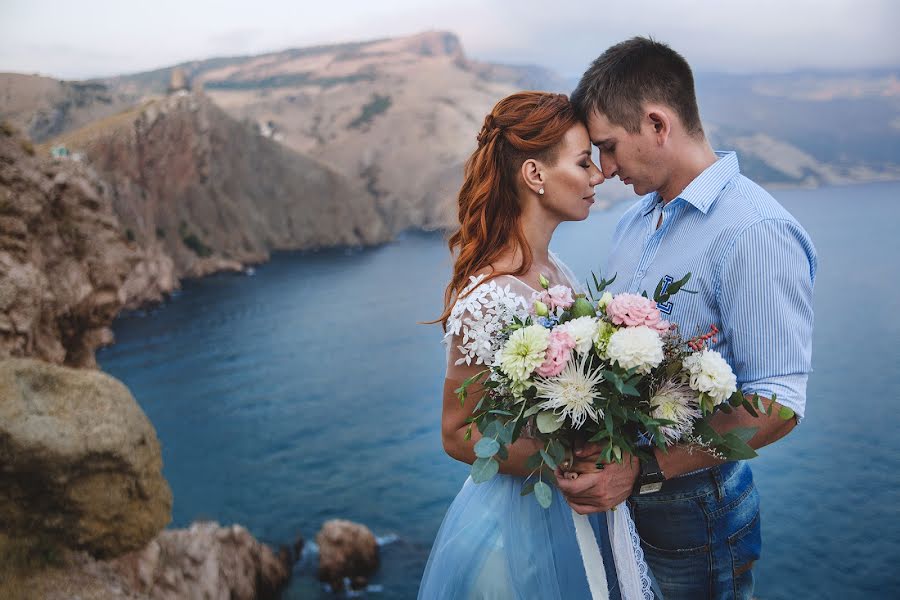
(628, 571)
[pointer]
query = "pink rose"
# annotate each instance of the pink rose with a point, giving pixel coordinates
(557, 296)
(632, 310)
(558, 353)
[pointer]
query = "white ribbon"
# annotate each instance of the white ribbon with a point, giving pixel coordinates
(625, 557)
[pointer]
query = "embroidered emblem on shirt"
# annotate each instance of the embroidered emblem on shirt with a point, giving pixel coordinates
(665, 307)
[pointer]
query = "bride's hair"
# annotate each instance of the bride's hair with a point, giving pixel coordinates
(521, 126)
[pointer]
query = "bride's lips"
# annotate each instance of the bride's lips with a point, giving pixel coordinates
(589, 198)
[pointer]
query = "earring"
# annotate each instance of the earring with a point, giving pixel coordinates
(541, 191)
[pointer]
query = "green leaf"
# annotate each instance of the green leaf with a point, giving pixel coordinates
(543, 494)
(659, 287)
(785, 413)
(599, 436)
(533, 410)
(703, 430)
(749, 408)
(483, 469)
(557, 451)
(486, 447)
(546, 422)
(503, 453)
(745, 433)
(548, 459)
(492, 429)
(735, 448)
(527, 488)
(534, 461)
(736, 399)
(497, 411)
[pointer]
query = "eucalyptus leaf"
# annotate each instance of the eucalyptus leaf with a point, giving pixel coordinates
(749, 408)
(785, 413)
(483, 469)
(556, 450)
(534, 461)
(533, 410)
(527, 488)
(745, 433)
(486, 447)
(548, 459)
(543, 494)
(546, 422)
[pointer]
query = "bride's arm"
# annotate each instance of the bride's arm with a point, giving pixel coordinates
(454, 425)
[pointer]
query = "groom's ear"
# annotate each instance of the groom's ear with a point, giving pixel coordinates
(661, 124)
(532, 173)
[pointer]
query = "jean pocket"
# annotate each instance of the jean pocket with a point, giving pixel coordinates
(745, 545)
(676, 529)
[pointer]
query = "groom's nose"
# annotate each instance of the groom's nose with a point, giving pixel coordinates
(608, 166)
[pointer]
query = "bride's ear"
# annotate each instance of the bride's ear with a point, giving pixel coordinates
(533, 175)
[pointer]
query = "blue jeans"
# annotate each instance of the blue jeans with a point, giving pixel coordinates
(701, 533)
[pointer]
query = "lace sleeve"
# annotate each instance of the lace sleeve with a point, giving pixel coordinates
(475, 321)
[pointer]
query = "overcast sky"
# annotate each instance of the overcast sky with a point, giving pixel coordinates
(91, 38)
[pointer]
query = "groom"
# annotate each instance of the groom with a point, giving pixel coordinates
(753, 268)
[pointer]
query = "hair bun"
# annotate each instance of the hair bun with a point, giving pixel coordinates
(489, 131)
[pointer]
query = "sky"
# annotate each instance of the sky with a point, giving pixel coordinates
(81, 39)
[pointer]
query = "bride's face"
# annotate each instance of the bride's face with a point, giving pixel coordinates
(569, 183)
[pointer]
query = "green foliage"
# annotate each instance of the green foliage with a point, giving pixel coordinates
(377, 105)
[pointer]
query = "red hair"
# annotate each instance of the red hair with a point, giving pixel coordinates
(521, 126)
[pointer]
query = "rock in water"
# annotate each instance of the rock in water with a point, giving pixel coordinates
(80, 463)
(347, 550)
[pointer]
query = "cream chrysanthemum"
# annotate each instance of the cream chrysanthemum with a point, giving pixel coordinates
(710, 374)
(675, 401)
(636, 347)
(572, 393)
(524, 352)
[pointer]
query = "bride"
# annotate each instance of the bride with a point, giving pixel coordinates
(531, 171)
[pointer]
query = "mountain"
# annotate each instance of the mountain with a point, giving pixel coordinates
(43, 107)
(398, 116)
(211, 192)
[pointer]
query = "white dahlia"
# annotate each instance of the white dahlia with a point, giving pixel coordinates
(583, 330)
(675, 401)
(572, 393)
(639, 347)
(524, 352)
(711, 375)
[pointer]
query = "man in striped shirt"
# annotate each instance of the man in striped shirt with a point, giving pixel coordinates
(752, 266)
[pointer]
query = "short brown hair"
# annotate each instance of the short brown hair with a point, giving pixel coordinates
(632, 73)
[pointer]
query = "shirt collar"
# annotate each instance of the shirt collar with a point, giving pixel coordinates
(705, 188)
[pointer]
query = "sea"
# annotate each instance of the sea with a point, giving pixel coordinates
(306, 390)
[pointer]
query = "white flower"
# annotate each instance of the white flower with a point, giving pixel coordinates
(639, 347)
(711, 375)
(524, 352)
(605, 299)
(572, 393)
(675, 401)
(582, 330)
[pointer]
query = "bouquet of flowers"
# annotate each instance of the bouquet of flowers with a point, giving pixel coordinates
(604, 369)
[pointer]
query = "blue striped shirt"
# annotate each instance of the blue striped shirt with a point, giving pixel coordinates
(751, 263)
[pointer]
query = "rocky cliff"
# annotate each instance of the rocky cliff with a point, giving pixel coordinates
(66, 264)
(213, 193)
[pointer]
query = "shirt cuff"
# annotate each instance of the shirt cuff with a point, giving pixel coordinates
(789, 391)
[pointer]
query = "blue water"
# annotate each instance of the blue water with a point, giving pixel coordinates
(308, 392)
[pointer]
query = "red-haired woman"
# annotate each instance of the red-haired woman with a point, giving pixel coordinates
(531, 171)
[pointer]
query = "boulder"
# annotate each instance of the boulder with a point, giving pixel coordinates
(347, 552)
(80, 463)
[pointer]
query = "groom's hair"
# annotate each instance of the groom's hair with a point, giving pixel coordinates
(632, 73)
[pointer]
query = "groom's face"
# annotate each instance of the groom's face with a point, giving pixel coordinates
(628, 156)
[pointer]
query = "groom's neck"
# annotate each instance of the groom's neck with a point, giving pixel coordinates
(688, 160)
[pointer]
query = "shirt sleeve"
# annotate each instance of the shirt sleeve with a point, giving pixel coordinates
(765, 299)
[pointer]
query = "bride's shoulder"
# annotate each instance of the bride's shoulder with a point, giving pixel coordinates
(486, 299)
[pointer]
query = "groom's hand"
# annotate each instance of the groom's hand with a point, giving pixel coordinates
(599, 491)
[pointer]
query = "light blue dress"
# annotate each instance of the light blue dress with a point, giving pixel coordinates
(493, 542)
